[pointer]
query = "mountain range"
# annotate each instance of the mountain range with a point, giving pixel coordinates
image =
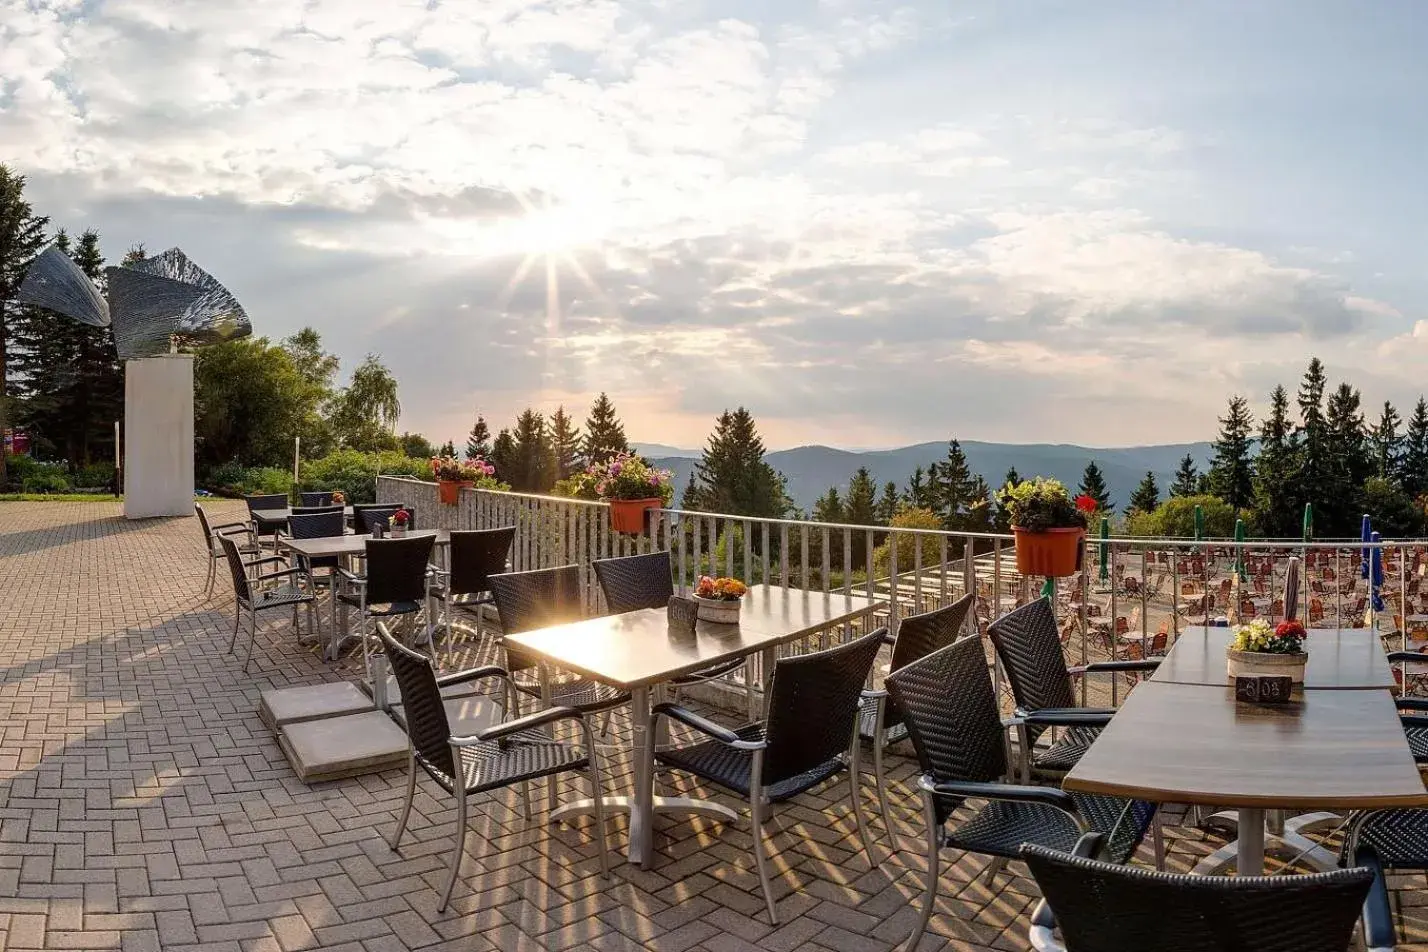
(810, 470)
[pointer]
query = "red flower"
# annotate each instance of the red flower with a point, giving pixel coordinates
(400, 517)
(1290, 629)
(1086, 503)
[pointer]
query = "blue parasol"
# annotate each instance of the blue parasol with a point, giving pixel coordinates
(1376, 573)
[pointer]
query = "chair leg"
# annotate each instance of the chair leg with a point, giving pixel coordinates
(756, 819)
(252, 637)
(597, 797)
(237, 618)
(411, 794)
(212, 571)
(854, 800)
(1157, 839)
(460, 850)
(929, 893)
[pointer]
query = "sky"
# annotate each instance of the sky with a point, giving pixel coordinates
(872, 224)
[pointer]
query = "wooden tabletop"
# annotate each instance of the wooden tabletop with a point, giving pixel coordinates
(638, 648)
(351, 544)
(1339, 658)
(1186, 743)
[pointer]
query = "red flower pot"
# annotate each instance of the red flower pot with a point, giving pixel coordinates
(628, 515)
(450, 490)
(1053, 553)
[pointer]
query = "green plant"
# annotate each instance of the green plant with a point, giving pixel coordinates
(267, 481)
(1040, 504)
(21, 468)
(94, 476)
(45, 483)
(627, 476)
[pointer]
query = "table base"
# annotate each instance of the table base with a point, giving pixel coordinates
(1246, 853)
(685, 806)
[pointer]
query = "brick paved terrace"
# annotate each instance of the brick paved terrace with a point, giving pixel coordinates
(143, 804)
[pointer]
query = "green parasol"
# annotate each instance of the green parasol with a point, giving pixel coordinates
(1105, 548)
(1199, 523)
(1308, 522)
(1239, 551)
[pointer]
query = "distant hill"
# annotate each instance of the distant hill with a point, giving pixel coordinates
(660, 450)
(812, 469)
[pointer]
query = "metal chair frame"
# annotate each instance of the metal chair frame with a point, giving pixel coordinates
(250, 592)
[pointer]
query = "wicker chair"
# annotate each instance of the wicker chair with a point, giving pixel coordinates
(374, 515)
(1104, 908)
(646, 581)
(1385, 840)
(211, 535)
(511, 752)
(810, 736)
(950, 708)
(323, 524)
(265, 503)
(882, 723)
(1411, 710)
(359, 521)
(526, 601)
(474, 556)
(394, 585)
(315, 499)
(259, 593)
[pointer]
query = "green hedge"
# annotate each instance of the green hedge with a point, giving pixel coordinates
(355, 473)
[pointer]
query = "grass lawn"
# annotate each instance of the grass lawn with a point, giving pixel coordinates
(58, 497)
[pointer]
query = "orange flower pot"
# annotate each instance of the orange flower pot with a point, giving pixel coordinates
(628, 515)
(1053, 553)
(450, 490)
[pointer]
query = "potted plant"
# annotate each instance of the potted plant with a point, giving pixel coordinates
(1049, 526)
(338, 499)
(449, 472)
(631, 486)
(399, 521)
(1256, 649)
(477, 470)
(719, 599)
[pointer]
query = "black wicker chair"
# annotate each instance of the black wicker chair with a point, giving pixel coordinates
(1385, 840)
(633, 582)
(526, 601)
(810, 736)
(359, 521)
(950, 709)
(514, 751)
(1413, 711)
(882, 723)
(211, 535)
(1104, 908)
(323, 524)
(315, 499)
(371, 517)
(265, 503)
(473, 556)
(394, 584)
(260, 592)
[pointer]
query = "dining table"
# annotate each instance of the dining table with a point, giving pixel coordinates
(267, 520)
(638, 652)
(1337, 745)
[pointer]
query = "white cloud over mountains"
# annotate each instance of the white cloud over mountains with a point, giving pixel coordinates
(801, 207)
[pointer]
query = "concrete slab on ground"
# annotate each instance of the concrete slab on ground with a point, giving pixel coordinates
(347, 746)
(311, 702)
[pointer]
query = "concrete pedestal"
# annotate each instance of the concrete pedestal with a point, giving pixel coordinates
(158, 436)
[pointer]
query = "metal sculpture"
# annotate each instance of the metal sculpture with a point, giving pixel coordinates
(56, 283)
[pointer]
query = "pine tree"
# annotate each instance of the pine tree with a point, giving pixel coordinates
(732, 475)
(1277, 500)
(503, 456)
(1093, 484)
(1012, 477)
(981, 513)
(1386, 443)
(604, 433)
(1231, 475)
(22, 236)
(447, 449)
(953, 488)
(1187, 478)
(1001, 518)
(1413, 469)
(1348, 462)
(1313, 477)
(829, 507)
(861, 507)
(1146, 496)
(919, 492)
(689, 499)
(888, 503)
(532, 472)
(478, 441)
(564, 444)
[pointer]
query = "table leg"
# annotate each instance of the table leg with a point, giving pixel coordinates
(769, 659)
(1250, 856)
(642, 810)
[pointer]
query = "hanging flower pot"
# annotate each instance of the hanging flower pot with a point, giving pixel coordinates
(450, 491)
(1051, 553)
(628, 515)
(1049, 526)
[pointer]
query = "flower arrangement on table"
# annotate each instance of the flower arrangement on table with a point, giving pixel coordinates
(1257, 648)
(719, 598)
(628, 483)
(338, 499)
(399, 522)
(1048, 524)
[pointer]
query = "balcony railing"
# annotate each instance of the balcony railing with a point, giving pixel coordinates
(1131, 599)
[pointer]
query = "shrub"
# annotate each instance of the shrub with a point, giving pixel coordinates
(94, 476)
(355, 473)
(22, 468)
(1175, 519)
(908, 544)
(45, 482)
(233, 477)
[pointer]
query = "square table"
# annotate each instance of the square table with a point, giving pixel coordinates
(1193, 743)
(268, 519)
(1339, 659)
(637, 651)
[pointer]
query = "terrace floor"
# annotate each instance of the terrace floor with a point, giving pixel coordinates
(143, 804)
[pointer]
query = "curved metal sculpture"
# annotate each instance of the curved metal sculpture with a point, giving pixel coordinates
(55, 282)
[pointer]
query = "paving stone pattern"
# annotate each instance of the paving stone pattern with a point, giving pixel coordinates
(144, 805)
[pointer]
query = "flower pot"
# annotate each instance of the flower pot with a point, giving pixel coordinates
(1053, 553)
(1265, 664)
(449, 490)
(397, 532)
(628, 515)
(718, 610)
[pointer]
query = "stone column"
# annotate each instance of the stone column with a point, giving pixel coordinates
(158, 436)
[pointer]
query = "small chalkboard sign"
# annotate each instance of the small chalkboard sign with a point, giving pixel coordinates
(1252, 689)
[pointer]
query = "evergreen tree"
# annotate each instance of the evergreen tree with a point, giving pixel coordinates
(953, 488)
(1001, 518)
(503, 456)
(1012, 477)
(1146, 496)
(1187, 478)
(478, 441)
(532, 472)
(1313, 477)
(1413, 470)
(861, 507)
(1347, 462)
(1278, 503)
(22, 236)
(564, 445)
(604, 433)
(1231, 475)
(919, 492)
(447, 449)
(689, 500)
(829, 507)
(888, 503)
(1385, 443)
(1093, 484)
(732, 475)
(981, 514)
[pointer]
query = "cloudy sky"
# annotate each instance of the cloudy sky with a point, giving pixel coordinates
(871, 223)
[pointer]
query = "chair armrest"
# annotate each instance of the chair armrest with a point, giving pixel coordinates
(1379, 934)
(529, 722)
(473, 674)
(1411, 703)
(1020, 793)
(1396, 656)
(1099, 666)
(352, 578)
(1066, 716)
(1043, 920)
(229, 528)
(265, 560)
(283, 574)
(705, 726)
(889, 638)
(1413, 720)
(874, 695)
